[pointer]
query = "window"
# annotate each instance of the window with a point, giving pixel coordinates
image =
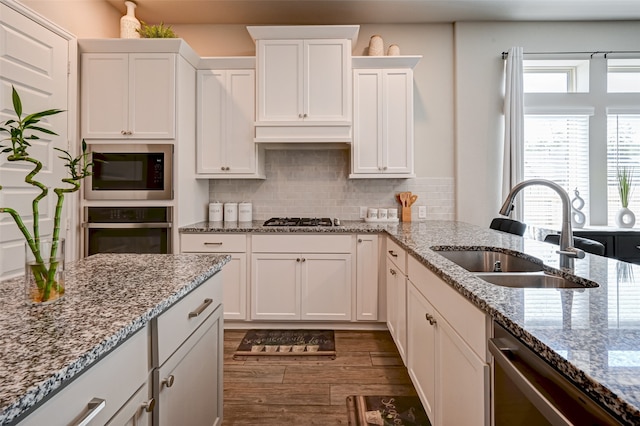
(582, 122)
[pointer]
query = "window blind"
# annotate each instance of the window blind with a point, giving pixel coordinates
(623, 150)
(556, 147)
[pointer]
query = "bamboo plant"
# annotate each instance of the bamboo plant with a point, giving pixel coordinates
(20, 134)
(625, 182)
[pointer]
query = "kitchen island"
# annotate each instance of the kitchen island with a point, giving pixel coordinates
(591, 335)
(108, 299)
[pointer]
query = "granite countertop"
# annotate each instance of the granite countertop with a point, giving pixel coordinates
(592, 335)
(108, 298)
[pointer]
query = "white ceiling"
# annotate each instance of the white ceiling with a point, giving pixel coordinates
(324, 12)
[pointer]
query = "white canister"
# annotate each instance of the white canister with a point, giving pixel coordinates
(230, 212)
(382, 213)
(372, 213)
(215, 212)
(392, 213)
(245, 212)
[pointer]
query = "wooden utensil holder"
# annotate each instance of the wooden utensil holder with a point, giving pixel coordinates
(406, 214)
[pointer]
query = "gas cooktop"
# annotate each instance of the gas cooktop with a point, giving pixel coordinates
(299, 221)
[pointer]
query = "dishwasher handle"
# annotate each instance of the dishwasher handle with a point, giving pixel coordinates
(502, 354)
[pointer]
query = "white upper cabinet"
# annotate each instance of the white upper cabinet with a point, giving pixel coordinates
(128, 95)
(383, 117)
(226, 111)
(304, 83)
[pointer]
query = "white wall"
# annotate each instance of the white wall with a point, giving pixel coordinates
(83, 18)
(479, 95)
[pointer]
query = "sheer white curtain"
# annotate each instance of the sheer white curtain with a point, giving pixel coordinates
(512, 160)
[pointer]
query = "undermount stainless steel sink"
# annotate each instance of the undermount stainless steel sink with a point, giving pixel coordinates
(533, 280)
(485, 261)
(510, 269)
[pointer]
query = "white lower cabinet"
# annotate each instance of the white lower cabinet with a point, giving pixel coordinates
(188, 384)
(301, 277)
(397, 296)
(187, 356)
(446, 360)
(235, 272)
(102, 391)
(367, 255)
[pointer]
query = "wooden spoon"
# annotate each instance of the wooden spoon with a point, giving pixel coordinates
(412, 199)
(404, 196)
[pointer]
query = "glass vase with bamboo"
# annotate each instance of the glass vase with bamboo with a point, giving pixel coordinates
(20, 130)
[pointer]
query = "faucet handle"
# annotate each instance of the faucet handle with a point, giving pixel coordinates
(572, 252)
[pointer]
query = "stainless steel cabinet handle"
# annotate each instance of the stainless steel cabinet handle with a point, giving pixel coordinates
(359, 240)
(123, 132)
(95, 406)
(393, 253)
(95, 225)
(299, 115)
(304, 260)
(304, 115)
(431, 319)
(384, 168)
(212, 244)
(201, 308)
(149, 405)
(168, 382)
(298, 260)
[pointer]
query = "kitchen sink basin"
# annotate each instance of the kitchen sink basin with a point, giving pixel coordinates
(485, 261)
(533, 280)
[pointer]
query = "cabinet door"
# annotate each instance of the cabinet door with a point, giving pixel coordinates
(152, 95)
(280, 85)
(397, 307)
(367, 122)
(327, 68)
(326, 287)
(421, 352)
(211, 98)
(275, 286)
(462, 376)
(234, 279)
(398, 121)
(240, 150)
(367, 277)
(188, 386)
(105, 85)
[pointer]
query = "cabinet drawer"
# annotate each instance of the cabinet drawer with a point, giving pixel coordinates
(175, 325)
(113, 379)
(301, 243)
(397, 255)
(466, 319)
(627, 247)
(213, 243)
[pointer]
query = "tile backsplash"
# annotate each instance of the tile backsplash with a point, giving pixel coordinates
(315, 183)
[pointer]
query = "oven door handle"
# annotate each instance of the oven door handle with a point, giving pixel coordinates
(503, 354)
(127, 225)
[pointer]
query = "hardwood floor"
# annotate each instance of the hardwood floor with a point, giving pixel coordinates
(310, 392)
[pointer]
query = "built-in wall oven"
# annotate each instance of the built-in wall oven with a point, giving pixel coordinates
(130, 172)
(127, 230)
(529, 392)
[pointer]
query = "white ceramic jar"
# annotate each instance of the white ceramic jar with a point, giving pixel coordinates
(245, 212)
(230, 212)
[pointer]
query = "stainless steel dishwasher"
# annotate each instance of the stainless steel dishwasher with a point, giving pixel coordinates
(528, 391)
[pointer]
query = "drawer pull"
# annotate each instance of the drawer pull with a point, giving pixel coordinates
(95, 406)
(392, 271)
(201, 308)
(212, 244)
(393, 253)
(149, 405)
(168, 382)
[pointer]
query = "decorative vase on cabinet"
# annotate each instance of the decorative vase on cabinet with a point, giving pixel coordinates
(129, 24)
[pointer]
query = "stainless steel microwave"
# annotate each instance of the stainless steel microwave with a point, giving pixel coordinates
(130, 172)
